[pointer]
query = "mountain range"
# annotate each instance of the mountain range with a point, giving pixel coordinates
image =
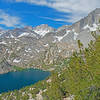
(34, 46)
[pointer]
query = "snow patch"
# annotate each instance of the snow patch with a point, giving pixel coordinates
(16, 60)
(17, 39)
(42, 32)
(94, 28)
(37, 50)
(18, 48)
(11, 36)
(3, 42)
(24, 34)
(75, 34)
(59, 51)
(25, 54)
(61, 37)
(46, 45)
(28, 50)
(54, 41)
(10, 42)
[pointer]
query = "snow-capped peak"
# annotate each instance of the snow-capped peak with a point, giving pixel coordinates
(43, 29)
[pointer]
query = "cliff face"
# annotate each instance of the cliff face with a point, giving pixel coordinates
(5, 67)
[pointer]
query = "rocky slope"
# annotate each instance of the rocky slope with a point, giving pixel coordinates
(34, 46)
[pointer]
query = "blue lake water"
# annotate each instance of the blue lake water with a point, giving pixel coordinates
(19, 79)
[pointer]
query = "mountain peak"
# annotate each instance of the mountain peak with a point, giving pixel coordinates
(92, 18)
(43, 29)
(97, 9)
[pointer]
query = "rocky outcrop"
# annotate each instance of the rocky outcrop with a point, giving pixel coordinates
(5, 67)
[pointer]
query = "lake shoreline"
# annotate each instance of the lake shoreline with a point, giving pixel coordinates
(19, 79)
(22, 69)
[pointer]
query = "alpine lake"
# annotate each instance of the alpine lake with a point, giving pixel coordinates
(19, 79)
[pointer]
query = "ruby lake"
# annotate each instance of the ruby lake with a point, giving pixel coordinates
(17, 80)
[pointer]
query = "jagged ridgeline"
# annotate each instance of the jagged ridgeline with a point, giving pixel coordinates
(34, 46)
(79, 78)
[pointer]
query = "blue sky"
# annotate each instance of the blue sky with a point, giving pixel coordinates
(55, 13)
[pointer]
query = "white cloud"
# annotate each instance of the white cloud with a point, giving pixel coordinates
(55, 19)
(77, 8)
(8, 20)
